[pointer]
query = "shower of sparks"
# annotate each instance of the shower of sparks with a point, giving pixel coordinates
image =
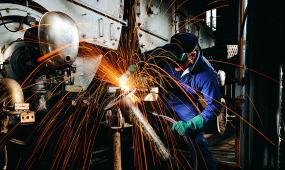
(69, 133)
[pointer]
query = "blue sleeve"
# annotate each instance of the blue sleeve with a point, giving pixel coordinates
(166, 50)
(212, 97)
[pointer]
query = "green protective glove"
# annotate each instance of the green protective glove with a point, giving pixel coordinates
(196, 124)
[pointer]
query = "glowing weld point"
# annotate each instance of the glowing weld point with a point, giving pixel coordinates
(123, 80)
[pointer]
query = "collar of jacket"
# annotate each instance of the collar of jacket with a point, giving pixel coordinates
(195, 67)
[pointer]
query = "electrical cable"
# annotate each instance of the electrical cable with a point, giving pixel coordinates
(4, 24)
(7, 22)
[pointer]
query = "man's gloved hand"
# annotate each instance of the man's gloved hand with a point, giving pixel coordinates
(194, 125)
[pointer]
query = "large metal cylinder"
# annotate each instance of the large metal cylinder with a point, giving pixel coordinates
(58, 39)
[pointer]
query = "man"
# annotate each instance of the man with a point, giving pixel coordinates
(198, 79)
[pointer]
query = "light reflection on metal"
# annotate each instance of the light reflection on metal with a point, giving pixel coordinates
(10, 92)
(58, 31)
(86, 68)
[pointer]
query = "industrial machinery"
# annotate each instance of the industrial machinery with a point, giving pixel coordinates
(40, 59)
(116, 121)
(54, 102)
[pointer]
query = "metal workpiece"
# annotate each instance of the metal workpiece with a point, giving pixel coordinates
(58, 39)
(135, 115)
(139, 120)
(116, 121)
(98, 22)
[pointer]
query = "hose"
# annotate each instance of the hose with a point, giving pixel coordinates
(3, 23)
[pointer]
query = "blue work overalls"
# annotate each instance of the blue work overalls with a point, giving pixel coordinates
(202, 80)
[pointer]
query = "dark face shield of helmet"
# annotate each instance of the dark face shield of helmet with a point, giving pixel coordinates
(176, 53)
(181, 58)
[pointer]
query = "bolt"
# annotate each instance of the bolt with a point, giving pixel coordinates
(67, 58)
(73, 103)
(86, 102)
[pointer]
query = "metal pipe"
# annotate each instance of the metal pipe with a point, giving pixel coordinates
(6, 158)
(148, 131)
(117, 149)
(242, 38)
(244, 155)
(10, 92)
(280, 121)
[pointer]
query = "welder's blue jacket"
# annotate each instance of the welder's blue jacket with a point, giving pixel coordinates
(200, 79)
(197, 80)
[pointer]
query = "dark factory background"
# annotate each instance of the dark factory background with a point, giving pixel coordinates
(53, 111)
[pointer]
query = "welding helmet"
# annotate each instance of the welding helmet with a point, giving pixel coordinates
(183, 43)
